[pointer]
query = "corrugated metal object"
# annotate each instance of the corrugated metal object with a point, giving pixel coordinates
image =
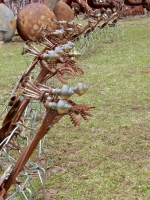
(32, 18)
(7, 23)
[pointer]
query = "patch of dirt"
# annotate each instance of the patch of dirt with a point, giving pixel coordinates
(17, 38)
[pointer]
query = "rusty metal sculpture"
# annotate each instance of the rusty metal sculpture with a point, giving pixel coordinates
(56, 59)
(144, 3)
(111, 4)
(39, 15)
(78, 6)
(138, 10)
(85, 7)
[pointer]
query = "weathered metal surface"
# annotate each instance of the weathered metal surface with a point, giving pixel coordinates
(52, 3)
(95, 4)
(84, 2)
(137, 2)
(7, 23)
(111, 4)
(138, 10)
(77, 5)
(63, 12)
(134, 2)
(32, 18)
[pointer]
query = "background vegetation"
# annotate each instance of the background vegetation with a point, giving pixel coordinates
(109, 156)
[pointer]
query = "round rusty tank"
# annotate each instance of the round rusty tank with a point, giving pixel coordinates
(63, 12)
(7, 23)
(32, 18)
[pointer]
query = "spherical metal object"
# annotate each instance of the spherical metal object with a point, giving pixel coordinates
(7, 23)
(32, 18)
(63, 12)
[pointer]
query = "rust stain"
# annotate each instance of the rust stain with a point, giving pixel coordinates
(30, 13)
(12, 24)
(35, 27)
(42, 17)
(1, 22)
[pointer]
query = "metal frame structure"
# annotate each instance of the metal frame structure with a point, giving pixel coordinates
(36, 104)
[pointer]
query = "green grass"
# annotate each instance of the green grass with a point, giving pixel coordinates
(108, 157)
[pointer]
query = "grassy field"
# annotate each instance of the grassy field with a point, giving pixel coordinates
(108, 157)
